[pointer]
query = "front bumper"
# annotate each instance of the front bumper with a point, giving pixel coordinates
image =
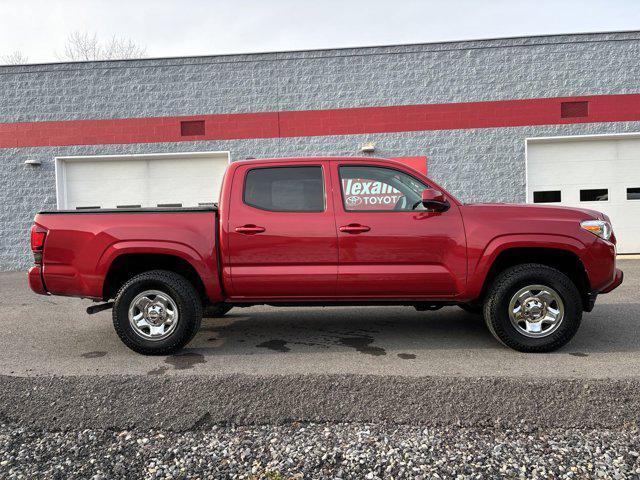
(617, 280)
(36, 283)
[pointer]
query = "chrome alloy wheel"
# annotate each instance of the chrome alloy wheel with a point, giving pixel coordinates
(153, 315)
(536, 311)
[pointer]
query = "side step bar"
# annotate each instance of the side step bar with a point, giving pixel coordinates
(99, 308)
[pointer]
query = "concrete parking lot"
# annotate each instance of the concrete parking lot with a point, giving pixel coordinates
(303, 391)
(54, 336)
(61, 368)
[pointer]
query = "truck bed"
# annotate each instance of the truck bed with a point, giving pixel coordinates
(81, 246)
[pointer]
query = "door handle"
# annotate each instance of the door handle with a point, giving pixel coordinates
(354, 228)
(250, 229)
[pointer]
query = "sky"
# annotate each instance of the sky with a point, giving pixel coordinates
(167, 28)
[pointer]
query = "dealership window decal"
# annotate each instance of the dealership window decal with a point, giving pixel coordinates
(378, 189)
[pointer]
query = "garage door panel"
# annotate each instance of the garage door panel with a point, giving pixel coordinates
(105, 194)
(572, 150)
(179, 191)
(628, 149)
(572, 165)
(145, 180)
(571, 170)
(79, 171)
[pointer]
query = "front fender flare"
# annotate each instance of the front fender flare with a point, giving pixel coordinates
(478, 272)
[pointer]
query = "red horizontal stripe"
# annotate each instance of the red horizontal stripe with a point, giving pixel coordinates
(344, 121)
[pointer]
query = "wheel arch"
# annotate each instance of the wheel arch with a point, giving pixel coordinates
(562, 253)
(127, 265)
(123, 260)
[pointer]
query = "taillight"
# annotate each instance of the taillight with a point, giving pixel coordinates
(38, 234)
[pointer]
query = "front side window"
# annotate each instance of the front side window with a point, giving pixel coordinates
(379, 189)
(285, 189)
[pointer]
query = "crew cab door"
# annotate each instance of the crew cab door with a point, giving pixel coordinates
(388, 248)
(281, 232)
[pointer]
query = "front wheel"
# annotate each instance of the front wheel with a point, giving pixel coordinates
(533, 308)
(157, 312)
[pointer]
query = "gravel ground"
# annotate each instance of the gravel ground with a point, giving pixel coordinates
(321, 451)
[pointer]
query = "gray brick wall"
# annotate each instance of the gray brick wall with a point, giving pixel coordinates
(476, 165)
(431, 73)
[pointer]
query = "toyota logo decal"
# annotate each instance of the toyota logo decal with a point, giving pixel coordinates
(353, 201)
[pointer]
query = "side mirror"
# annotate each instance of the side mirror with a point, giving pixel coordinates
(434, 200)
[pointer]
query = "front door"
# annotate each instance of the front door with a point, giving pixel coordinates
(281, 231)
(389, 245)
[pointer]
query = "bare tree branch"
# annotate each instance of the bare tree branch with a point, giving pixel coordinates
(14, 58)
(82, 46)
(122, 48)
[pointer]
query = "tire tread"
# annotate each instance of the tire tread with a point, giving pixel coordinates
(514, 274)
(187, 293)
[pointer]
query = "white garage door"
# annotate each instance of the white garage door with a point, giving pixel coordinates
(600, 173)
(130, 181)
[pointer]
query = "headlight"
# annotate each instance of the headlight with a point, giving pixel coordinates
(598, 227)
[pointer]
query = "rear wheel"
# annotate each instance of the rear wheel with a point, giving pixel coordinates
(533, 308)
(157, 312)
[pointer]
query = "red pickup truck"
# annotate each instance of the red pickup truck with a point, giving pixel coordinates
(329, 231)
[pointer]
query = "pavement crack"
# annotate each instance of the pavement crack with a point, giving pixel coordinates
(406, 356)
(93, 354)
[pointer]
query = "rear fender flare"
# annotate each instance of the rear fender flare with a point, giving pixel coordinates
(206, 272)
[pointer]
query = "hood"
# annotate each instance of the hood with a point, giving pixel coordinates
(537, 210)
(486, 221)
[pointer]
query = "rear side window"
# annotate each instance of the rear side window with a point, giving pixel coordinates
(285, 189)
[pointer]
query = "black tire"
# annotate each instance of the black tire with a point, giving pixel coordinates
(473, 308)
(180, 290)
(507, 284)
(216, 310)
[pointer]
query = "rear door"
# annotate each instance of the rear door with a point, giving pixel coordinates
(281, 231)
(389, 246)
